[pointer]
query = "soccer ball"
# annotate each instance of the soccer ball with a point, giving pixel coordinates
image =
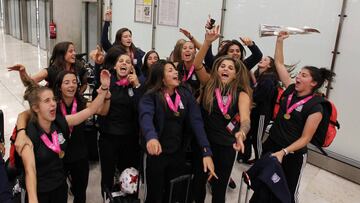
(129, 180)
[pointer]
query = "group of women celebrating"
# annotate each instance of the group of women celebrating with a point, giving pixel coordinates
(173, 112)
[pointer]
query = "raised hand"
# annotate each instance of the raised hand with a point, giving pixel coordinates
(247, 41)
(108, 15)
(186, 33)
(282, 35)
(213, 34)
(17, 67)
(99, 55)
(105, 78)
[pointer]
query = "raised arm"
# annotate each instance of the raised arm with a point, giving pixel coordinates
(279, 60)
(24, 76)
(256, 54)
(75, 119)
(105, 43)
(191, 38)
(104, 109)
(28, 159)
(210, 36)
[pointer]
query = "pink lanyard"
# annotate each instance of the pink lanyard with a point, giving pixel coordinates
(54, 144)
(223, 107)
(173, 106)
(294, 106)
(73, 110)
(122, 82)
(185, 78)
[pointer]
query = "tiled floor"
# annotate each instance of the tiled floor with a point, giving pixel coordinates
(316, 186)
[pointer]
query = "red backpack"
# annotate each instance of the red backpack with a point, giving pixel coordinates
(327, 129)
(276, 103)
(14, 165)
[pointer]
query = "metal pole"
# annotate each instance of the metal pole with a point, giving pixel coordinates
(6, 16)
(86, 28)
(153, 30)
(335, 52)
(99, 19)
(37, 24)
(222, 21)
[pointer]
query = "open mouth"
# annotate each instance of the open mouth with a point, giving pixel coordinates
(224, 76)
(52, 112)
(71, 91)
(123, 68)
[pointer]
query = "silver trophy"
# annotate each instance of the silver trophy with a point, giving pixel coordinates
(274, 30)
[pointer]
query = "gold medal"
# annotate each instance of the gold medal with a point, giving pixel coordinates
(177, 114)
(227, 116)
(61, 154)
(287, 116)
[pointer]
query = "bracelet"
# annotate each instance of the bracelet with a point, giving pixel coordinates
(137, 86)
(105, 89)
(285, 151)
(191, 37)
(242, 134)
(18, 130)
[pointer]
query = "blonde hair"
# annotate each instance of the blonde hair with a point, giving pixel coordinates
(241, 82)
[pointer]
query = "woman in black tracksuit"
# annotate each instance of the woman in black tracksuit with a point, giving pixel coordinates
(118, 142)
(49, 134)
(63, 58)
(123, 41)
(76, 160)
(150, 58)
(298, 117)
(264, 96)
(165, 111)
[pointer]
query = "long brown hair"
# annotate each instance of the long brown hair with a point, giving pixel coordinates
(241, 81)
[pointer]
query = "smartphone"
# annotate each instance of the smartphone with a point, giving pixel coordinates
(212, 22)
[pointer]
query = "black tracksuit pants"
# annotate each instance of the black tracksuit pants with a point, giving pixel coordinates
(58, 195)
(159, 171)
(78, 173)
(198, 186)
(223, 157)
(119, 152)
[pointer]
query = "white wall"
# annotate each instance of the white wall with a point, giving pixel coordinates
(123, 16)
(242, 18)
(346, 92)
(67, 16)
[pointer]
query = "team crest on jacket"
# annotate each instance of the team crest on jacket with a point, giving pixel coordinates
(299, 108)
(275, 178)
(61, 138)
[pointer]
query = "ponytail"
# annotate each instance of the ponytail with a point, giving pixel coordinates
(320, 75)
